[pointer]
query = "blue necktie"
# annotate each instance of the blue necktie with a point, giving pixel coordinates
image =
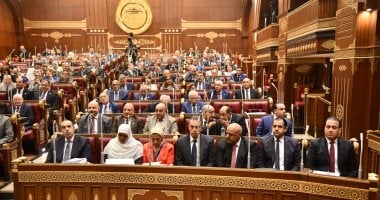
(194, 153)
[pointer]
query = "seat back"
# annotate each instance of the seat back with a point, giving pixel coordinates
(256, 105)
(233, 104)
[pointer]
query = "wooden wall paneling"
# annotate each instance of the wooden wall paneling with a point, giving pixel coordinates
(73, 192)
(197, 195)
(235, 195)
(215, 195)
(47, 193)
(113, 193)
(95, 193)
(7, 30)
(96, 14)
(30, 192)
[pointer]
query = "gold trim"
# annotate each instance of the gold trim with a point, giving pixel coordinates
(134, 16)
(211, 35)
(29, 24)
(194, 180)
(211, 24)
(169, 193)
(268, 43)
(374, 145)
(57, 35)
(329, 44)
(312, 27)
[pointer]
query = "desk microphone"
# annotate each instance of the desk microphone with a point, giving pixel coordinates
(248, 124)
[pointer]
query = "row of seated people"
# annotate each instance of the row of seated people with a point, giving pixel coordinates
(276, 151)
(158, 115)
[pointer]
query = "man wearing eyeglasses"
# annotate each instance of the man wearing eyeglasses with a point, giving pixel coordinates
(69, 146)
(265, 126)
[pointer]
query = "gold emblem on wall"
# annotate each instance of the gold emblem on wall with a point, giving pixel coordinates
(212, 35)
(57, 35)
(134, 16)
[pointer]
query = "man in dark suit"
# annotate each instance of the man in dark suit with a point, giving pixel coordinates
(195, 149)
(69, 146)
(165, 99)
(219, 92)
(190, 75)
(51, 98)
(227, 118)
(208, 122)
(6, 129)
(246, 91)
(200, 83)
(193, 105)
(20, 89)
(24, 54)
(24, 110)
(265, 126)
(238, 76)
(233, 150)
(144, 94)
(129, 117)
(93, 123)
(106, 106)
(279, 151)
(116, 93)
(343, 162)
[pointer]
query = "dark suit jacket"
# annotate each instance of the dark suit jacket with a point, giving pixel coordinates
(225, 95)
(206, 151)
(204, 85)
(235, 118)
(188, 107)
(52, 100)
(84, 124)
(265, 127)
(148, 96)
(79, 149)
(236, 79)
(253, 94)
(152, 108)
(318, 157)
(6, 130)
(292, 153)
(26, 94)
(27, 112)
(136, 124)
(113, 107)
(224, 154)
(123, 95)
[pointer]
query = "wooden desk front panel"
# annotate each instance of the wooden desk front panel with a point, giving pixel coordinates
(165, 183)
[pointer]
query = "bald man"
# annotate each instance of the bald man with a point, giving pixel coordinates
(129, 117)
(90, 123)
(232, 151)
(162, 120)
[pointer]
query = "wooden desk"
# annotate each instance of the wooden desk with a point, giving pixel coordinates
(51, 181)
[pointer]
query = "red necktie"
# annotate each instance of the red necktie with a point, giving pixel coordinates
(233, 157)
(17, 109)
(332, 157)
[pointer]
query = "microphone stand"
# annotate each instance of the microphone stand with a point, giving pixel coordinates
(242, 99)
(292, 113)
(54, 148)
(274, 86)
(173, 100)
(248, 124)
(10, 54)
(360, 170)
(150, 153)
(101, 140)
(304, 138)
(140, 101)
(263, 83)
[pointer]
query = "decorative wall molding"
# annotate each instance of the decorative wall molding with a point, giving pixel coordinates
(211, 24)
(313, 27)
(268, 43)
(29, 24)
(56, 35)
(211, 35)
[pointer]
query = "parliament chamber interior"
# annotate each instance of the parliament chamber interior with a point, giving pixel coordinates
(204, 79)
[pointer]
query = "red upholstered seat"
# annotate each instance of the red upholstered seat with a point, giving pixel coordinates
(234, 105)
(29, 139)
(255, 121)
(256, 106)
(3, 95)
(81, 82)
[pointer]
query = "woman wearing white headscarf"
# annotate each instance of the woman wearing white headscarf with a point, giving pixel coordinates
(124, 146)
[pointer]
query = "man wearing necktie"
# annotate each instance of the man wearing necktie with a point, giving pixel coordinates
(279, 151)
(100, 123)
(69, 146)
(193, 105)
(26, 94)
(232, 152)
(195, 149)
(129, 117)
(324, 152)
(246, 91)
(24, 111)
(219, 92)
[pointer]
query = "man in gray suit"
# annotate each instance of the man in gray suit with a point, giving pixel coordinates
(93, 123)
(162, 120)
(280, 151)
(195, 149)
(69, 146)
(6, 130)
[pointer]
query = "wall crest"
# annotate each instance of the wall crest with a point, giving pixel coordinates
(134, 16)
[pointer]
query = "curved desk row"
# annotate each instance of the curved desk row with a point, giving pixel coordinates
(77, 182)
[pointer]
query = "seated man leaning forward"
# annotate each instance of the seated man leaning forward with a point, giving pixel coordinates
(69, 146)
(124, 146)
